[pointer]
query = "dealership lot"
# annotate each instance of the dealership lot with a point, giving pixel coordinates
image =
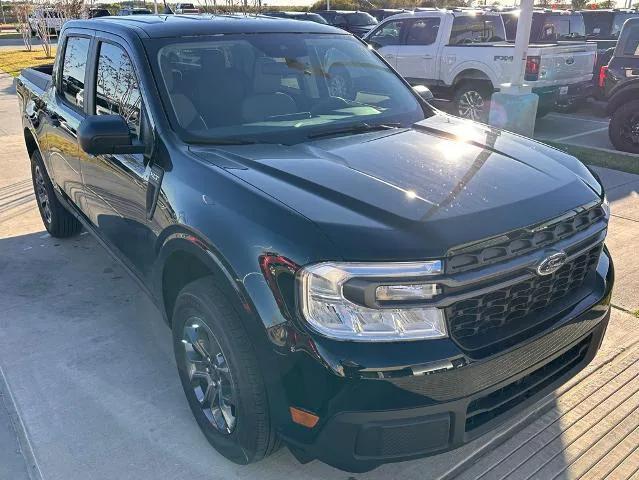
(95, 387)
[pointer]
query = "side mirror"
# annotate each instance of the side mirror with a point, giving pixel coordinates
(106, 134)
(424, 92)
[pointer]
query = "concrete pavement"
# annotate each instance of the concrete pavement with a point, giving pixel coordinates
(89, 364)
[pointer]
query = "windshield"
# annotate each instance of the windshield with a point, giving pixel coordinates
(360, 19)
(278, 87)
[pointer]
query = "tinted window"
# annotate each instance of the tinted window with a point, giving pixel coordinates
(360, 19)
(422, 32)
(387, 34)
(73, 68)
(477, 29)
(631, 47)
(598, 24)
(117, 90)
(510, 24)
(552, 28)
(619, 20)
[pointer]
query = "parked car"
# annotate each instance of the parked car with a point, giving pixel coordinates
(621, 89)
(98, 12)
(308, 16)
(555, 26)
(603, 26)
(548, 25)
(186, 8)
(357, 23)
(366, 280)
(52, 20)
(383, 13)
(462, 56)
(134, 11)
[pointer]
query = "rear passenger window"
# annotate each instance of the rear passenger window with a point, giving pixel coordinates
(422, 31)
(73, 68)
(117, 91)
(631, 48)
(477, 29)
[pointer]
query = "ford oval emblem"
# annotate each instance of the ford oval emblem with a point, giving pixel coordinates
(570, 60)
(552, 263)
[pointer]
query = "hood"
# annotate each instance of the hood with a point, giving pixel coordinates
(414, 193)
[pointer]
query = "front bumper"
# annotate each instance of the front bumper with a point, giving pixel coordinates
(381, 417)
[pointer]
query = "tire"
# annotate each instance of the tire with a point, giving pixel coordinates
(472, 100)
(623, 129)
(58, 221)
(237, 422)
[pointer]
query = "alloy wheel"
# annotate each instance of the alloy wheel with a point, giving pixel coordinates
(42, 195)
(210, 375)
(471, 105)
(630, 129)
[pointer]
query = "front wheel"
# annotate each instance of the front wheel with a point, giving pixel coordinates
(220, 374)
(472, 101)
(623, 129)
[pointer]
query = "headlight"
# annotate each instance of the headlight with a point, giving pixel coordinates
(327, 310)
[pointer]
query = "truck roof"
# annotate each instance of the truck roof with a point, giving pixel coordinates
(443, 12)
(163, 26)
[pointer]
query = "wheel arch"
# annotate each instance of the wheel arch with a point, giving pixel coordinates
(30, 141)
(185, 256)
(621, 97)
(472, 73)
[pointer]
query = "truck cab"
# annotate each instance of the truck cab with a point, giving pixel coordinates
(464, 56)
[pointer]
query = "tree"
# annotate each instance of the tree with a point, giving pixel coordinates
(579, 4)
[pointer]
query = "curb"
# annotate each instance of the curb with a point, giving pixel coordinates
(33, 468)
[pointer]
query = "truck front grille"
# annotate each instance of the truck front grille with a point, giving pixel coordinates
(520, 242)
(487, 320)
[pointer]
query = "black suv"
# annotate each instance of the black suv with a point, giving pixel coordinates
(361, 277)
(605, 25)
(620, 81)
(548, 26)
(357, 23)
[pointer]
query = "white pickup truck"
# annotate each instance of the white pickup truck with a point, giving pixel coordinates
(462, 56)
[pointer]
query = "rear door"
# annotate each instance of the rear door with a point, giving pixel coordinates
(386, 39)
(65, 111)
(417, 53)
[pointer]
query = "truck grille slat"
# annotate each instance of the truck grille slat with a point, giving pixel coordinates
(521, 241)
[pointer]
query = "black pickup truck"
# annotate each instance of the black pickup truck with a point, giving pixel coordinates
(362, 277)
(620, 83)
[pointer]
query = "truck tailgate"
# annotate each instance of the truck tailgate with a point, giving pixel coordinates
(566, 64)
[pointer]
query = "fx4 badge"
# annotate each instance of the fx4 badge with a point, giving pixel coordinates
(552, 263)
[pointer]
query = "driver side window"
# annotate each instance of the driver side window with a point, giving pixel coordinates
(388, 34)
(117, 90)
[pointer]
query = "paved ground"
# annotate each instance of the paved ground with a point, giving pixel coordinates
(90, 368)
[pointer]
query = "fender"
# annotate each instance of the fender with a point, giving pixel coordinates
(626, 93)
(472, 65)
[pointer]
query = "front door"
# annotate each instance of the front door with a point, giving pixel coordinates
(386, 38)
(417, 54)
(116, 185)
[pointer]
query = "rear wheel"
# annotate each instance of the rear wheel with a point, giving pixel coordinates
(472, 100)
(57, 220)
(220, 375)
(624, 127)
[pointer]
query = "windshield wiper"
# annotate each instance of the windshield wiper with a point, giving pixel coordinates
(357, 128)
